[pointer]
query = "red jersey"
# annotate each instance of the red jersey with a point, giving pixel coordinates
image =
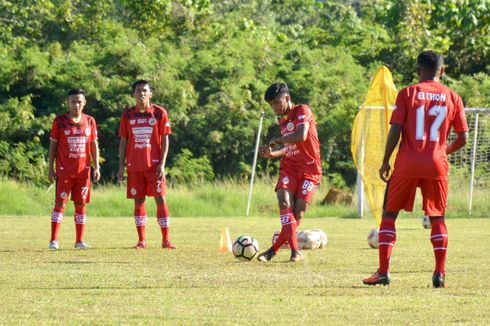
(303, 156)
(144, 131)
(426, 111)
(73, 150)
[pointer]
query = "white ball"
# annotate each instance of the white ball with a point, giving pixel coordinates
(245, 248)
(426, 222)
(373, 238)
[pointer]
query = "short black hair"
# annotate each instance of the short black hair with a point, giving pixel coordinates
(275, 90)
(141, 82)
(430, 60)
(76, 91)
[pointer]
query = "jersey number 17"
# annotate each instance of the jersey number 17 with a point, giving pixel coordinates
(437, 111)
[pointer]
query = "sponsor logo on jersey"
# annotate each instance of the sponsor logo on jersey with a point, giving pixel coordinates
(290, 126)
(67, 132)
(152, 121)
(77, 132)
(87, 132)
(301, 117)
(132, 122)
(141, 121)
(285, 180)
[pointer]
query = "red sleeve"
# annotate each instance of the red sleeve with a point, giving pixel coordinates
(400, 111)
(459, 122)
(54, 130)
(304, 114)
(165, 124)
(93, 135)
(123, 131)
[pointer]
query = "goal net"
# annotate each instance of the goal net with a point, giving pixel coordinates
(469, 173)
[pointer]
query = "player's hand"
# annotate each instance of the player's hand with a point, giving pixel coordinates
(120, 174)
(265, 151)
(97, 174)
(51, 175)
(161, 171)
(384, 171)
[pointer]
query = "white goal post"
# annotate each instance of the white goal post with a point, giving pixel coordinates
(469, 167)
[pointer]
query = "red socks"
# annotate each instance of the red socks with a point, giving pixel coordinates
(439, 239)
(288, 231)
(140, 220)
(387, 239)
(163, 219)
(56, 218)
(80, 219)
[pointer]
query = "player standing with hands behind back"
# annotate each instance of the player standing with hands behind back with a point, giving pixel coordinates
(143, 147)
(424, 114)
(300, 169)
(73, 139)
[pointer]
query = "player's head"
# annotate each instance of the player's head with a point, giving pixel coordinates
(142, 92)
(76, 100)
(430, 65)
(277, 95)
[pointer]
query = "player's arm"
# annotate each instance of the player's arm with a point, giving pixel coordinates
(456, 144)
(122, 157)
(391, 142)
(267, 152)
(298, 136)
(94, 151)
(161, 166)
(53, 146)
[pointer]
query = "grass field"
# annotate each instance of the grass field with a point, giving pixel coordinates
(113, 284)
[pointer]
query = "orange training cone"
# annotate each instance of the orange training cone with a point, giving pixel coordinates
(225, 241)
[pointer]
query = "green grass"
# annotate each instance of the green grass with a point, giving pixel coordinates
(218, 199)
(195, 284)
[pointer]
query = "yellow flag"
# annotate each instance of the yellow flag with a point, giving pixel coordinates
(369, 134)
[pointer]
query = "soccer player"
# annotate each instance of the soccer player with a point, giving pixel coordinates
(143, 148)
(73, 140)
(423, 116)
(300, 168)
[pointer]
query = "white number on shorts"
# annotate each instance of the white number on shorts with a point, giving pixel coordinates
(159, 188)
(437, 111)
(307, 185)
(84, 192)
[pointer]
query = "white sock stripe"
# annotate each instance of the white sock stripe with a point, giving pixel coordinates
(439, 235)
(80, 218)
(387, 231)
(288, 223)
(140, 220)
(385, 243)
(56, 217)
(164, 222)
(440, 248)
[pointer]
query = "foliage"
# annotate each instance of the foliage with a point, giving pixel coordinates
(210, 63)
(189, 170)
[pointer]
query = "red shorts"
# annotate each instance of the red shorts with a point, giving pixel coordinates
(302, 185)
(79, 189)
(147, 183)
(400, 194)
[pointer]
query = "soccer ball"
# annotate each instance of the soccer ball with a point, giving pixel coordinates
(276, 236)
(245, 248)
(373, 238)
(426, 222)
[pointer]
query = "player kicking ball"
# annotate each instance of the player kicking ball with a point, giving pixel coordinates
(300, 168)
(143, 148)
(424, 114)
(73, 140)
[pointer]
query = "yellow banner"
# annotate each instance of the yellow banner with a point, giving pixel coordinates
(369, 134)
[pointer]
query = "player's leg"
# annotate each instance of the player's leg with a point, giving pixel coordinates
(156, 187)
(136, 189)
(63, 188)
(80, 196)
(434, 194)
(163, 218)
(399, 194)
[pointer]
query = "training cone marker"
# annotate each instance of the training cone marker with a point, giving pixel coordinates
(225, 241)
